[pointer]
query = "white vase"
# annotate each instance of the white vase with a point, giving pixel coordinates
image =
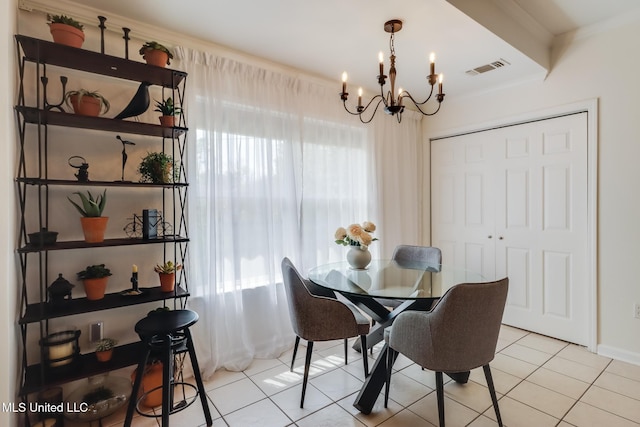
(358, 257)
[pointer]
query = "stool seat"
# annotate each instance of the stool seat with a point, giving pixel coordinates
(164, 322)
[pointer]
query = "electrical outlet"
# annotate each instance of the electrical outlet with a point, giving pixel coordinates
(636, 310)
(96, 331)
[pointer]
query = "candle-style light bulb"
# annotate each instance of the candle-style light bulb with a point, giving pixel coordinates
(400, 91)
(381, 61)
(344, 82)
(440, 83)
(432, 60)
(359, 97)
(134, 269)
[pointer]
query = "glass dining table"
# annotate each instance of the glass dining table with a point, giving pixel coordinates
(383, 290)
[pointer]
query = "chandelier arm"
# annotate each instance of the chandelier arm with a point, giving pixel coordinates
(375, 110)
(371, 101)
(347, 109)
(425, 101)
(418, 104)
(365, 108)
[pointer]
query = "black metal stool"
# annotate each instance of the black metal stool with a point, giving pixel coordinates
(164, 334)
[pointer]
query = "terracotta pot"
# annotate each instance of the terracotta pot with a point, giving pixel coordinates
(88, 105)
(104, 356)
(94, 288)
(94, 228)
(167, 281)
(156, 57)
(66, 34)
(167, 121)
(151, 379)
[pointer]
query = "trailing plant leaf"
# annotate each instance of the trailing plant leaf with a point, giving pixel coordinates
(156, 168)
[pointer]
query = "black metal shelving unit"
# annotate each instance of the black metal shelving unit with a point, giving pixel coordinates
(36, 310)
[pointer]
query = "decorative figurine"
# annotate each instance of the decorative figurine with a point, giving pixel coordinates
(83, 168)
(138, 104)
(124, 153)
(59, 290)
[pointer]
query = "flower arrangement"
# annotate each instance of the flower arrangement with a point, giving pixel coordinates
(356, 235)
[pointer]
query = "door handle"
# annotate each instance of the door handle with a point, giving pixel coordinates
(501, 238)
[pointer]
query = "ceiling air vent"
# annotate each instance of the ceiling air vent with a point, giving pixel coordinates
(487, 67)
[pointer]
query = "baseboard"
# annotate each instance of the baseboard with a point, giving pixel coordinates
(619, 354)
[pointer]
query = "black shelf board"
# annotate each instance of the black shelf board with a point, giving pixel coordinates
(86, 366)
(42, 311)
(46, 52)
(56, 118)
(132, 184)
(81, 244)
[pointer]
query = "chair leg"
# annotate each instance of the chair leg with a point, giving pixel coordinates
(196, 373)
(307, 363)
(365, 358)
(492, 391)
(373, 323)
(346, 344)
(440, 395)
(389, 366)
(295, 351)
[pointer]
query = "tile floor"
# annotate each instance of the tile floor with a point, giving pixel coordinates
(540, 382)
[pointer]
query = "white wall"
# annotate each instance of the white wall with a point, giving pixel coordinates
(8, 291)
(599, 65)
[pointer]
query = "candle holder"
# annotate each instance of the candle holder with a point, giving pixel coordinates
(134, 281)
(60, 349)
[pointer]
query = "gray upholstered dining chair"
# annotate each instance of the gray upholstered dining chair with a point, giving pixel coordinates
(459, 334)
(407, 256)
(321, 292)
(411, 256)
(318, 318)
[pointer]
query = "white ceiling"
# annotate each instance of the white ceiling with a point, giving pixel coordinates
(328, 37)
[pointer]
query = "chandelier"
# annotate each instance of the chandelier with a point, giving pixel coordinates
(393, 102)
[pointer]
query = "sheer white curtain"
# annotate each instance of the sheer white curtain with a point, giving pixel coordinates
(273, 171)
(400, 171)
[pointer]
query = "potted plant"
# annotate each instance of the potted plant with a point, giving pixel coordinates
(169, 111)
(95, 278)
(156, 168)
(93, 223)
(66, 30)
(104, 349)
(156, 54)
(87, 103)
(167, 273)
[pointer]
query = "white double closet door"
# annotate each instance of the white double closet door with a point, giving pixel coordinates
(513, 202)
